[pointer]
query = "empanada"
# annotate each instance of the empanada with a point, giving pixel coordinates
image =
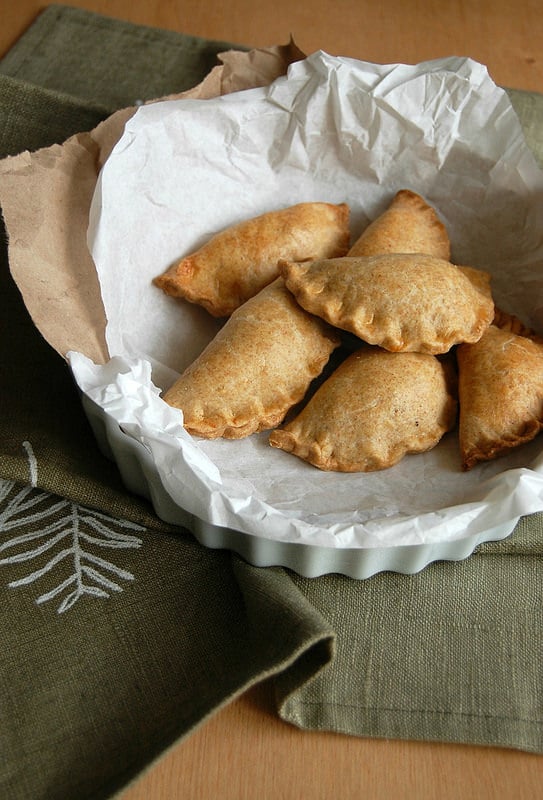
(402, 302)
(509, 322)
(408, 225)
(375, 408)
(500, 386)
(240, 260)
(259, 364)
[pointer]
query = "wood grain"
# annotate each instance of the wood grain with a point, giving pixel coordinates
(244, 751)
(503, 35)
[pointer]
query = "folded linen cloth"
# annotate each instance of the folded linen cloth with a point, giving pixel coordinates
(121, 633)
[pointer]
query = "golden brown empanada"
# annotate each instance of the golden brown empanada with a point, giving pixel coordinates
(240, 260)
(259, 364)
(402, 302)
(500, 387)
(375, 408)
(408, 225)
(509, 322)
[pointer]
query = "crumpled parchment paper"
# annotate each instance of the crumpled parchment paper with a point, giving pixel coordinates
(332, 129)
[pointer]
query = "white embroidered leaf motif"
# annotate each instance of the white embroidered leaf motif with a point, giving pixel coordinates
(55, 534)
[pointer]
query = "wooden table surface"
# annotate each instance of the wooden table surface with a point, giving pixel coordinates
(244, 752)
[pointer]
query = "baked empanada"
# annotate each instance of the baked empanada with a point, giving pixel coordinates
(240, 260)
(402, 301)
(500, 387)
(375, 408)
(259, 364)
(408, 225)
(509, 322)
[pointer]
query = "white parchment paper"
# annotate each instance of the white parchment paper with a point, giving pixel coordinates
(337, 130)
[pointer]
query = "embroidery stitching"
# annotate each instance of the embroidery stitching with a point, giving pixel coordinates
(81, 530)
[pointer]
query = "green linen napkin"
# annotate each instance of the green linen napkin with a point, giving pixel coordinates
(121, 633)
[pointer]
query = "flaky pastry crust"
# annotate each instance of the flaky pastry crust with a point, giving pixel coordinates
(374, 409)
(500, 385)
(408, 225)
(403, 302)
(239, 261)
(259, 364)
